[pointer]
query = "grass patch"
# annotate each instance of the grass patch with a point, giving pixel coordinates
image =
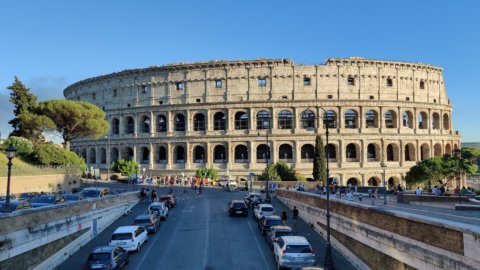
(21, 168)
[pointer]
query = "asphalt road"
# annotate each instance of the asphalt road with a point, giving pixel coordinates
(198, 234)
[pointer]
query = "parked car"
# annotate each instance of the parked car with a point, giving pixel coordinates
(222, 182)
(148, 221)
(293, 252)
(26, 196)
(129, 238)
(73, 197)
(252, 198)
(169, 200)
(277, 232)
(262, 210)
(265, 223)
(237, 207)
(93, 192)
(107, 257)
(3, 198)
(160, 208)
(14, 205)
(46, 200)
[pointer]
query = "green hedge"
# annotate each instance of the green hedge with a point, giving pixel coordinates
(50, 154)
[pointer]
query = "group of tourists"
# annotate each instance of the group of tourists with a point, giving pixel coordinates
(148, 195)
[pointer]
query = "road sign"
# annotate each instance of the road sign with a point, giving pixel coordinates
(251, 174)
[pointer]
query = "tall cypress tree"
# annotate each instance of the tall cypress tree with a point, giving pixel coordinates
(319, 161)
(25, 103)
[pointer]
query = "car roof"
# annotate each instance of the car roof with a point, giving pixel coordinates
(265, 205)
(237, 201)
(157, 203)
(103, 249)
(125, 229)
(253, 194)
(272, 217)
(142, 217)
(295, 240)
(281, 228)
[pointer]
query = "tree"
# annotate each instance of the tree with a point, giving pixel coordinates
(208, 173)
(74, 119)
(319, 161)
(285, 172)
(272, 173)
(24, 103)
(51, 154)
(125, 167)
(24, 146)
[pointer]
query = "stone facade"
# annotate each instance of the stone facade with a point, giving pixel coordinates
(181, 117)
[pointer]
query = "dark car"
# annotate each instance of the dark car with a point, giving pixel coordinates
(14, 205)
(276, 232)
(26, 196)
(3, 198)
(73, 197)
(237, 207)
(46, 200)
(107, 257)
(148, 221)
(266, 222)
(169, 200)
(253, 199)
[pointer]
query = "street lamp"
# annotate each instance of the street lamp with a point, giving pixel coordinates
(268, 156)
(384, 167)
(10, 152)
(108, 157)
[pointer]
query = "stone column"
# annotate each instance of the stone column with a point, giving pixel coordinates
(188, 155)
(251, 118)
(169, 156)
(152, 124)
(136, 125)
(297, 114)
(151, 156)
(252, 154)
(135, 153)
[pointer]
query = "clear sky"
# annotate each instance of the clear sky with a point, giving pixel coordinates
(51, 44)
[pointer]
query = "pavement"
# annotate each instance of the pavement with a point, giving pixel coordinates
(198, 234)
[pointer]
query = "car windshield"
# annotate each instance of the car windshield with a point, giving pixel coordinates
(99, 257)
(43, 199)
(121, 236)
(274, 222)
(297, 249)
(267, 209)
(71, 197)
(280, 234)
(90, 193)
(238, 205)
(156, 207)
(164, 198)
(142, 221)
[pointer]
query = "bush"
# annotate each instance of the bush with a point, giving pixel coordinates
(24, 146)
(207, 172)
(50, 154)
(125, 167)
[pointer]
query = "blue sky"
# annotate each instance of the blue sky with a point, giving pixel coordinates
(51, 44)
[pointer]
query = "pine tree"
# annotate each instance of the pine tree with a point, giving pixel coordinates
(319, 161)
(24, 103)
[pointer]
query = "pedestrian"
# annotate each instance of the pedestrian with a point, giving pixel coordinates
(295, 212)
(284, 216)
(374, 196)
(153, 196)
(418, 191)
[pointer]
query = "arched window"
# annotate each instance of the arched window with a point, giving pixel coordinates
(422, 120)
(241, 120)
(371, 119)
(219, 121)
(373, 181)
(179, 122)
(241, 154)
(410, 152)
(392, 152)
(199, 154)
(161, 123)
(330, 119)
(114, 154)
(162, 155)
(199, 122)
(115, 126)
(351, 152)
(331, 152)
(371, 152)
(351, 119)
(307, 153)
(407, 119)
(84, 154)
(263, 153)
(219, 154)
(145, 124)
(448, 149)
(285, 120)
(145, 155)
(285, 152)
(352, 181)
(446, 122)
(103, 156)
(307, 120)
(435, 121)
(263, 120)
(424, 152)
(93, 156)
(179, 155)
(390, 119)
(129, 125)
(127, 153)
(437, 150)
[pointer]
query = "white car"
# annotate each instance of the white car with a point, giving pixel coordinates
(293, 252)
(160, 208)
(129, 238)
(263, 210)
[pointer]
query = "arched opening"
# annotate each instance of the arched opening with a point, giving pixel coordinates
(285, 119)
(307, 120)
(241, 120)
(127, 153)
(373, 181)
(92, 156)
(241, 154)
(179, 122)
(219, 154)
(437, 150)
(263, 120)
(435, 121)
(371, 119)
(352, 181)
(198, 154)
(263, 153)
(285, 153)
(219, 121)
(145, 124)
(372, 152)
(162, 156)
(391, 183)
(103, 156)
(331, 152)
(410, 152)
(129, 125)
(390, 119)
(84, 154)
(448, 149)
(161, 123)
(307, 153)
(330, 119)
(179, 155)
(199, 122)
(351, 119)
(446, 122)
(392, 152)
(424, 152)
(145, 155)
(115, 126)
(407, 119)
(351, 152)
(422, 120)
(114, 154)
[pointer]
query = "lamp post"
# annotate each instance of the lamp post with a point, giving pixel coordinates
(10, 152)
(267, 188)
(384, 167)
(108, 158)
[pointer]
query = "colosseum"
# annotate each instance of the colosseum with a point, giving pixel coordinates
(235, 116)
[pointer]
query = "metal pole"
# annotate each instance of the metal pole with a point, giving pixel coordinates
(328, 248)
(7, 202)
(384, 187)
(108, 158)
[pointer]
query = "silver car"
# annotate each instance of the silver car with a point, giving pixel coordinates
(293, 252)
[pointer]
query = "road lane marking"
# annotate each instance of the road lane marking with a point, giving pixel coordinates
(257, 243)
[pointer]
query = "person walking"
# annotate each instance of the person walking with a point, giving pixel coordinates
(295, 212)
(153, 196)
(374, 196)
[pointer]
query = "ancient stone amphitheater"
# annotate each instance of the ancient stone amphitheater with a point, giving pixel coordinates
(176, 118)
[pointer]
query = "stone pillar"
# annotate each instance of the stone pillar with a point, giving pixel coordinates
(188, 122)
(230, 118)
(361, 118)
(135, 153)
(363, 154)
(170, 123)
(297, 155)
(252, 154)
(251, 118)
(273, 118)
(297, 114)
(169, 156)
(273, 153)
(188, 155)
(151, 156)
(136, 125)
(152, 124)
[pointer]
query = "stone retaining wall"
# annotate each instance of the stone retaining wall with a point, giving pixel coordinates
(38, 183)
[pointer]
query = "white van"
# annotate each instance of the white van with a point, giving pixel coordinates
(129, 238)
